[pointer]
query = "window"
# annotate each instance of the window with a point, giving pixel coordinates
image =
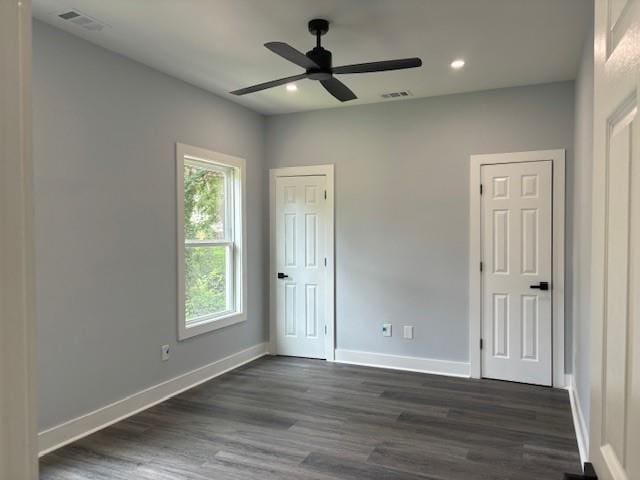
(210, 248)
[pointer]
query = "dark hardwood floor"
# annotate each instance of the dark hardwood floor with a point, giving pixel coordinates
(291, 418)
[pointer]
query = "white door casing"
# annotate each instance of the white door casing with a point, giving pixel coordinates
(302, 312)
(557, 158)
(517, 257)
(18, 409)
(614, 437)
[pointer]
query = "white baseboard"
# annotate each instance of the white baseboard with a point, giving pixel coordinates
(60, 435)
(397, 362)
(582, 433)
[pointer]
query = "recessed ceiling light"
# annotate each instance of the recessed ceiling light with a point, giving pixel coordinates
(457, 64)
(292, 87)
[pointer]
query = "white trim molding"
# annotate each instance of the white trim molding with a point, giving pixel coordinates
(60, 435)
(557, 158)
(397, 362)
(327, 171)
(18, 411)
(580, 426)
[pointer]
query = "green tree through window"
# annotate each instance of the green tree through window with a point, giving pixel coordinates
(206, 265)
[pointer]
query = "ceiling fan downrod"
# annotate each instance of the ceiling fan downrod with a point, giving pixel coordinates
(318, 27)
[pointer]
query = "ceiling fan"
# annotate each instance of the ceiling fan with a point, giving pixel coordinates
(317, 63)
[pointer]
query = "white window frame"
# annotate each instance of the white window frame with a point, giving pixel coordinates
(235, 217)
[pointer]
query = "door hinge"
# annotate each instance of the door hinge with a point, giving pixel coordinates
(325, 261)
(481, 266)
(325, 194)
(480, 189)
(481, 344)
(325, 329)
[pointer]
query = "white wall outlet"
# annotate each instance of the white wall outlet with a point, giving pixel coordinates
(386, 329)
(407, 332)
(165, 352)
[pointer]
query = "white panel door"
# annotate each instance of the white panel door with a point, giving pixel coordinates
(517, 255)
(301, 265)
(614, 440)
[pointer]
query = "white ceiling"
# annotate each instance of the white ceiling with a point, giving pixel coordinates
(217, 44)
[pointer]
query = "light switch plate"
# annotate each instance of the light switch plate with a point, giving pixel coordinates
(386, 329)
(165, 353)
(408, 332)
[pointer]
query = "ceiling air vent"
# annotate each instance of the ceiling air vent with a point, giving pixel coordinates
(82, 20)
(403, 93)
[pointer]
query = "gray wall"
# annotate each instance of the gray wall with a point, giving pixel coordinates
(581, 268)
(402, 202)
(105, 130)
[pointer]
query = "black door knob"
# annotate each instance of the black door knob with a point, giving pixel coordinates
(282, 275)
(541, 286)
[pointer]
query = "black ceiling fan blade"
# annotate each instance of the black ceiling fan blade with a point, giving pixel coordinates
(287, 52)
(271, 84)
(398, 64)
(338, 89)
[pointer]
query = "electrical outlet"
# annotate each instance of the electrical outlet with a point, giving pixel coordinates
(165, 352)
(386, 329)
(408, 332)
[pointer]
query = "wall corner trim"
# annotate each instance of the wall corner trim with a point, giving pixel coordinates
(579, 424)
(397, 362)
(74, 429)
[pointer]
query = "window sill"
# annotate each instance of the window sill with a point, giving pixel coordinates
(210, 325)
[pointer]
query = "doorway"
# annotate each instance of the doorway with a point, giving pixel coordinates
(302, 265)
(517, 267)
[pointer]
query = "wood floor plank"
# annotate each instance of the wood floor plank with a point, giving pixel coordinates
(293, 418)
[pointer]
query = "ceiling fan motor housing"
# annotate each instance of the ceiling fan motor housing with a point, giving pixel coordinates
(322, 58)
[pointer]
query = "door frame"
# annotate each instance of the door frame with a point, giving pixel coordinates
(557, 158)
(312, 170)
(615, 106)
(18, 365)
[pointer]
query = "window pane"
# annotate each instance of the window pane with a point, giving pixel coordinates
(204, 203)
(206, 281)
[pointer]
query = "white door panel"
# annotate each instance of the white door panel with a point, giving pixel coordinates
(300, 257)
(614, 440)
(517, 254)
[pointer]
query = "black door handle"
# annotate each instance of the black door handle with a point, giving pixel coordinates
(541, 286)
(282, 275)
